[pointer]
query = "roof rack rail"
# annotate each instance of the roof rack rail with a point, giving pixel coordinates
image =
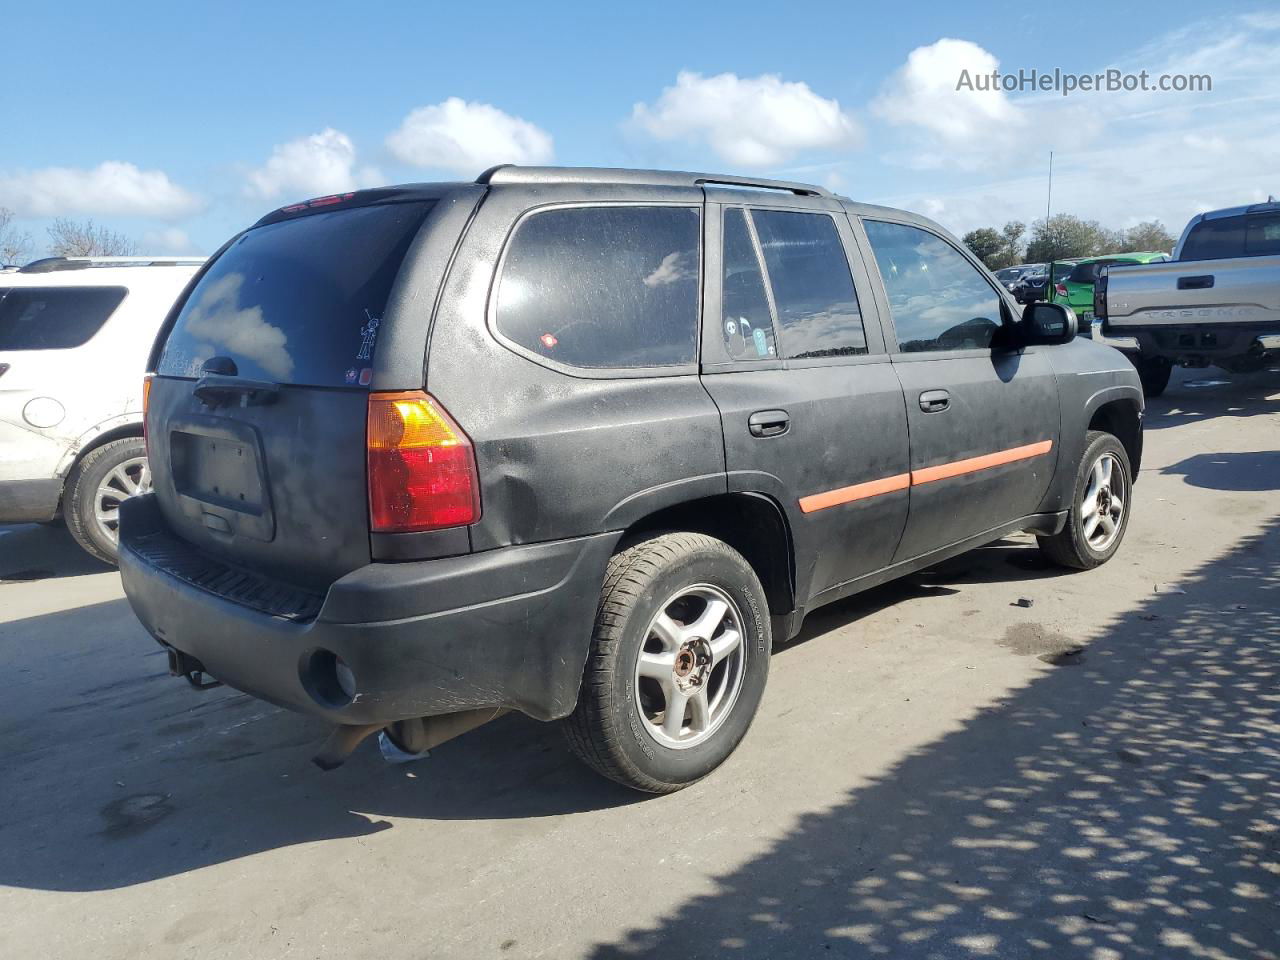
(511, 173)
(54, 264)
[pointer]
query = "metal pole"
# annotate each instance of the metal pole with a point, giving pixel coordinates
(1049, 199)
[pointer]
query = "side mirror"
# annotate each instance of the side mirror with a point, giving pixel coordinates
(1045, 323)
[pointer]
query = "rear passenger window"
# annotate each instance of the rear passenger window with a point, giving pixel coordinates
(938, 299)
(54, 318)
(747, 321)
(818, 314)
(604, 286)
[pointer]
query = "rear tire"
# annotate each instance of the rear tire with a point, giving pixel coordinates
(1100, 507)
(682, 624)
(99, 483)
(1154, 372)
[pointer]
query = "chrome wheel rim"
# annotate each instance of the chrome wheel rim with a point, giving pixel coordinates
(690, 668)
(1102, 507)
(126, 479)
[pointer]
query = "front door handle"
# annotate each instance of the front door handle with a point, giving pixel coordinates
(769, 423)
(934, 401)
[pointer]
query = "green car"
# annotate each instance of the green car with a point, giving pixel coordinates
(1076, 288)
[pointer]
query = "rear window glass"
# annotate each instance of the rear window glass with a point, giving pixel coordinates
(54, 318)
(603, 286)
(299, 301)
(1255, 235)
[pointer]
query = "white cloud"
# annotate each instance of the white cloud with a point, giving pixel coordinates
(467, 138)
(109, 189)
(961, 127)
(1132, 156)
(319, 164)
(748, 121)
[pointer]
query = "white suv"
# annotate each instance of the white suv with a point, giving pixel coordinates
(74, 338)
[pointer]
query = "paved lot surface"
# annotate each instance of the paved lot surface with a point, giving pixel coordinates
(935, 772)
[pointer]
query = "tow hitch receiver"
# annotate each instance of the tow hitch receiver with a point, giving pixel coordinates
(190, 669)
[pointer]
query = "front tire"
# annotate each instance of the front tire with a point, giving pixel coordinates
(97, 486)
(1100, 507)
(678, 663)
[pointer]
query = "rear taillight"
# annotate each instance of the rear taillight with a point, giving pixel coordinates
(146, 403)
(1060, 289)
(422, 470)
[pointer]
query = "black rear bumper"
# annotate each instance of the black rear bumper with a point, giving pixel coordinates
(503, 628)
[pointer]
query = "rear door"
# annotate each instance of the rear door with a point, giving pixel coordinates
(984, 420)
(258, 408)
(793, 357)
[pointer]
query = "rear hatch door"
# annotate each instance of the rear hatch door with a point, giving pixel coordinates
(258, 406)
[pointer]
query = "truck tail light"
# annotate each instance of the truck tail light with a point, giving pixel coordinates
(146, 404)
(1100, 295)
(422, 468)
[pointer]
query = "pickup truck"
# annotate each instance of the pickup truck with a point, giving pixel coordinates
(1216, 303)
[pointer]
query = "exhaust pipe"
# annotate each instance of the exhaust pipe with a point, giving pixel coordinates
(414, 738)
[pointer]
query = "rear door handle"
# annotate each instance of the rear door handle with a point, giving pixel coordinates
(1204, 282)
(769, 423)
(934, 401)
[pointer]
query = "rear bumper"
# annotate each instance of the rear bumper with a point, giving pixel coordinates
(29, 501)
(1196, 342)
(503, 628)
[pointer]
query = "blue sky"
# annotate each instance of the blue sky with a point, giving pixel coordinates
(181, 123)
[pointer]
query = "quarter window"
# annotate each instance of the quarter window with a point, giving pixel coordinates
(938, 300)
(818, 313)
(54, 318)
(604, 286)
(747, 320)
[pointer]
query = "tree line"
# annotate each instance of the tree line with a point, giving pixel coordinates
(1062, 237)
(67, 238)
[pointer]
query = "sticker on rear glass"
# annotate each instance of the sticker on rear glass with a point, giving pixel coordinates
(351, 375)
(368, 336)
(762, 346)
(548, 340)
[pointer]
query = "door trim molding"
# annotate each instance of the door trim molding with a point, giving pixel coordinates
(942, 471)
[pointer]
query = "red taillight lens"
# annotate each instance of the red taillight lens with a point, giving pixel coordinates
(422, 470)
(1060, 289)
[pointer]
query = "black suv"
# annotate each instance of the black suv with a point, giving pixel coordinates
(586, 443)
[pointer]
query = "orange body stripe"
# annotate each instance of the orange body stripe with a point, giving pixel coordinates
(943, 471)
(859, 491)
(998, 459)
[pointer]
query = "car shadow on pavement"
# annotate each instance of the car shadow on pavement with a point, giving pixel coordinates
(1225, 395)
(1125, 804)
(1127, 796)
(1230, 471)
(34, 551)
(113, 773)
